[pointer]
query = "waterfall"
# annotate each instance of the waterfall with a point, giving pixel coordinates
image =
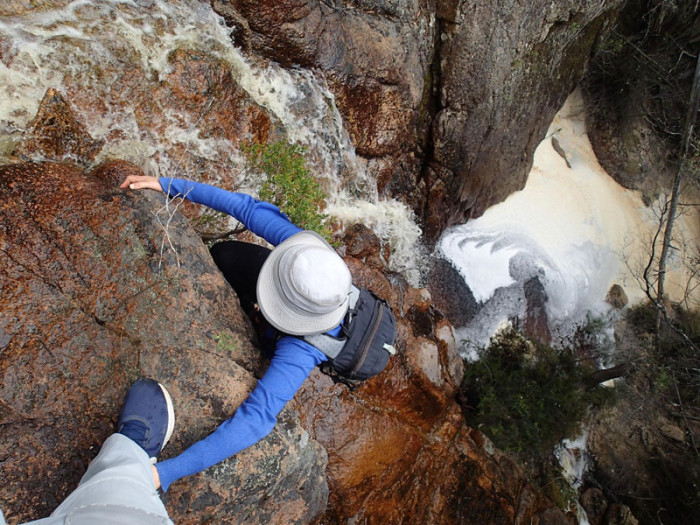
(85, 49)
(572, 226)
(573, 460)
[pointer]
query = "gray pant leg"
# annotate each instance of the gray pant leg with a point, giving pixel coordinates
(117, 488)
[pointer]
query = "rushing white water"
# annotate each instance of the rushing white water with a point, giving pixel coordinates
(573, 227)
(573, 459)
(85, 48)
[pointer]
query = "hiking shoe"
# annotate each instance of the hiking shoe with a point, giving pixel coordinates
(147, 416)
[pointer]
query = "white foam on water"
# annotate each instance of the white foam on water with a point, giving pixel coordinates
(489, 261)
(395, 225)
(88, 45)
(572, 456)
(572, 227)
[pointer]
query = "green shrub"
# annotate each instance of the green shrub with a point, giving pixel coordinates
(289, 184)
(527, 397)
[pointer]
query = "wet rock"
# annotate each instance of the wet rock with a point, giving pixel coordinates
(619, 515)
(447, 102)
(136, 111)
(594, 503)
(361, 243)
(55, 134)
(450, 293)
(92, 298)
(536, 324)
(369, 57)
(399, 450)
(557, 147)
(202, 85)
(19, 7)
(616, 297)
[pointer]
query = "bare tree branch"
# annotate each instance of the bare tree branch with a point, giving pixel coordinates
(690, 119)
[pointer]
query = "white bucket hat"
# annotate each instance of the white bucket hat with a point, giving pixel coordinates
(303, 286)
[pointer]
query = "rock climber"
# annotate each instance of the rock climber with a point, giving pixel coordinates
(302, 287)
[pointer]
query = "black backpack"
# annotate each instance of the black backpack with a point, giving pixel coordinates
(365, 343)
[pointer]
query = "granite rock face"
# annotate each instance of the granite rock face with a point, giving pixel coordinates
(55, 134)
(93, 297)
(445, 100)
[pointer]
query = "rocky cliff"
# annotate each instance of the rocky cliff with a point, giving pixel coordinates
(637, 92)
(444, 103)
(96, 293)
(446, 100)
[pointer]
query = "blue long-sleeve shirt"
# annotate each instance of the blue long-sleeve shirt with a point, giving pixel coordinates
(293, 358)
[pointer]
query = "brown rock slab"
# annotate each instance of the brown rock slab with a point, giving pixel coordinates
(56, 134)
(94, 297)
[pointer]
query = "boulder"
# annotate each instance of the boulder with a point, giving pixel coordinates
(616, 297)
(55, 134)
(450, 292)
(594, 503)
(536, 325)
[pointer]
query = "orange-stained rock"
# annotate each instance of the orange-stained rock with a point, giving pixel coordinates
(92, 297)
(399, 450)
(56, 134)
(90, 302)
(201, 85)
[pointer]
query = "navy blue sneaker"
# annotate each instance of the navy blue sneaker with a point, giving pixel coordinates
(147, 416)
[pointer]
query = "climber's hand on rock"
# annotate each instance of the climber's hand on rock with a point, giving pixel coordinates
(140, 182)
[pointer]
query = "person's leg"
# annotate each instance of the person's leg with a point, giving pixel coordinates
(240, 263)
(118, 486)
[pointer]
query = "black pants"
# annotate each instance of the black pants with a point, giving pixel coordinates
(241, 262)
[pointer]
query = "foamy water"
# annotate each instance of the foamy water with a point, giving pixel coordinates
(572, 456)
(573, 227)
(84, 48)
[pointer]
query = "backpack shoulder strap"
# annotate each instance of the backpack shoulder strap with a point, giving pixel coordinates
(329, 345)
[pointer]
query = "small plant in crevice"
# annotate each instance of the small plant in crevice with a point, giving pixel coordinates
(289, 184)
(226, 343)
